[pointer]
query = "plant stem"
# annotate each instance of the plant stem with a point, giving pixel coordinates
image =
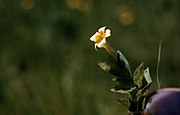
(158, 62)
(109, 49)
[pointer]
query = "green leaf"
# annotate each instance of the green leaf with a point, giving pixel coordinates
(138, 95)
(138, 75)
(143, 103)
(124, 101)
(145, 88)
(122, 85)
(123, 91)
(122, 58)
(147, 75)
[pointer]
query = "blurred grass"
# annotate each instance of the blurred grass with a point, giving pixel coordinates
(48, 65)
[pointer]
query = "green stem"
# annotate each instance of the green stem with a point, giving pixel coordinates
(109, 49)
(158, 62)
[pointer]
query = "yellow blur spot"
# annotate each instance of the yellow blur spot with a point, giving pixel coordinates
(125, 15)
(81, 5)
(27, 4)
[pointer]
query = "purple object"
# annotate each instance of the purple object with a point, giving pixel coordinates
(165, 101)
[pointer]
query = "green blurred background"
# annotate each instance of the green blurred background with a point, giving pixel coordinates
(48, 64)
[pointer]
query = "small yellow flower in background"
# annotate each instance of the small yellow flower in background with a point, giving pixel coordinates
(100, 37)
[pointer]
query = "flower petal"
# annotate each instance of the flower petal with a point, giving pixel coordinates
(96, 44)
(108, 32)
(101, 44)
(102, 29)
(93, 38)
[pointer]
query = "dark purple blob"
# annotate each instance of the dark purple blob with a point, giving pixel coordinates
(165, 102)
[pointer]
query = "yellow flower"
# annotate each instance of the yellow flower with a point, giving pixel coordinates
(100, 37)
